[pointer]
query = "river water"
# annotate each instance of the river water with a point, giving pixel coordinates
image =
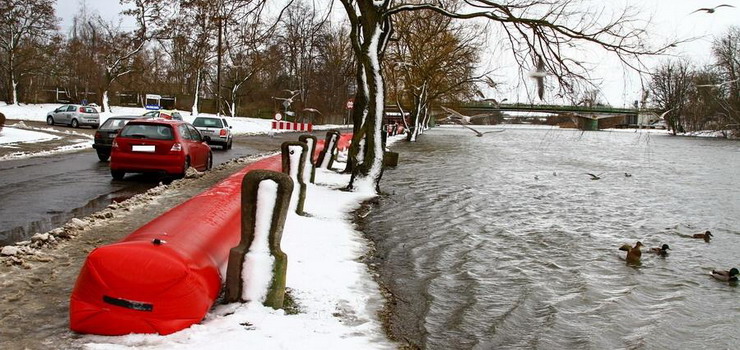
(504, 241)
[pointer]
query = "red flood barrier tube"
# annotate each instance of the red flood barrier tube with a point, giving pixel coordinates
(166, 275)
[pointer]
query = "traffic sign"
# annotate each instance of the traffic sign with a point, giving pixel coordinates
(278, 116)
(350, 103)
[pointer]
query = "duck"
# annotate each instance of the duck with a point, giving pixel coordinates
(661, 251)
(706, 236)
(633, 253)
(726, 276)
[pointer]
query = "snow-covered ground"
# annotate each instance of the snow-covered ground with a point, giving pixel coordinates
(241, 125)
(13, 135)
(336, 295)
(9, 136)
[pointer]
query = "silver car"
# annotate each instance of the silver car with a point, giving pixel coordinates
(216, 128)
(74, 116)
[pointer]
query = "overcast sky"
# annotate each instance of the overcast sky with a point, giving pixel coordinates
(671, 19)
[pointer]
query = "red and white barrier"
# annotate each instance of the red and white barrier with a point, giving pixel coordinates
(283, 125)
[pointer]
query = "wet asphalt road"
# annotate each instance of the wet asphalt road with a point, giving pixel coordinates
(42, 193)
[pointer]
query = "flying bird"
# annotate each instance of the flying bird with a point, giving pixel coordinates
(711, 10)
(312, 110)
(480, 134)
(594, 177)
(464, 120)
(539, 76)
(457, 117)
(720, 84)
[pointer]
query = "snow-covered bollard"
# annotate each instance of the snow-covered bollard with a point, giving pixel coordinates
(309, 171)
(257, 266)
(294, 159)
(326, 157)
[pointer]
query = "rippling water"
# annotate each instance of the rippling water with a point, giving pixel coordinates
(504, 242)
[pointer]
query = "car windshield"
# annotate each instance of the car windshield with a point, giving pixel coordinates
(148, 131)
(207, 122)
(114, 123)
(88, 110)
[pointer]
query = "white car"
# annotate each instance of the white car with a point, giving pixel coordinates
(74, 116)
(217, 129)
(660, 124)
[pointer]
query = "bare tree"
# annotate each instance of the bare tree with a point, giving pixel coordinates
(22, 22)
(671, 87)
(537, 31)
(428, 73)
(119, 48)
(726, 51)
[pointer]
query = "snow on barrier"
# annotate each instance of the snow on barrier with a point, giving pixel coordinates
(166, 275)
(294, 155)
(283, 125)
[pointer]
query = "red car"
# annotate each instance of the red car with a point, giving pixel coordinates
(159, 145)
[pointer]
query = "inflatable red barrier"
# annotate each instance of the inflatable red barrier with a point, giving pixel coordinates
(164, 276)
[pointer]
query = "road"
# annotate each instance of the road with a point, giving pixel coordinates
(42, 193)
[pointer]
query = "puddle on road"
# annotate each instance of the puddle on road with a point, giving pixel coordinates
(57, 218)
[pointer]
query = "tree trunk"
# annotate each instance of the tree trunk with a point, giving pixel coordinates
(366, 175)
(13, 83)
(106, 104)
(194, 111)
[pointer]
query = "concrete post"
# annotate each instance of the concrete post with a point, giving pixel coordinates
(326, 157)
(256, 186)
(294, 158)
(309, 171)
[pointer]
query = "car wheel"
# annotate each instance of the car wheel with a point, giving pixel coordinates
(209, 162)
(103, 155)
(75, 124)
(49, 120)
(228, 144)
(117, 174)
(185, 167)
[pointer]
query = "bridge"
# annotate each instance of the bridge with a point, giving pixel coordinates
(599, 111)
(584, 117)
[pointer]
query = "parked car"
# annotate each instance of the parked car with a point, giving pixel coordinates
(216, 128)
(164, 114)
(74, 116)
(159, 145)
(660, 124)
(107, 131)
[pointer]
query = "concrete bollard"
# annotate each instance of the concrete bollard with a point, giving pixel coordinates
(294, 158)
(326, 157)
(309, 171)
(264, 205)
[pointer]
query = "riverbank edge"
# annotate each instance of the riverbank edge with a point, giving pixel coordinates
(372, 260)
